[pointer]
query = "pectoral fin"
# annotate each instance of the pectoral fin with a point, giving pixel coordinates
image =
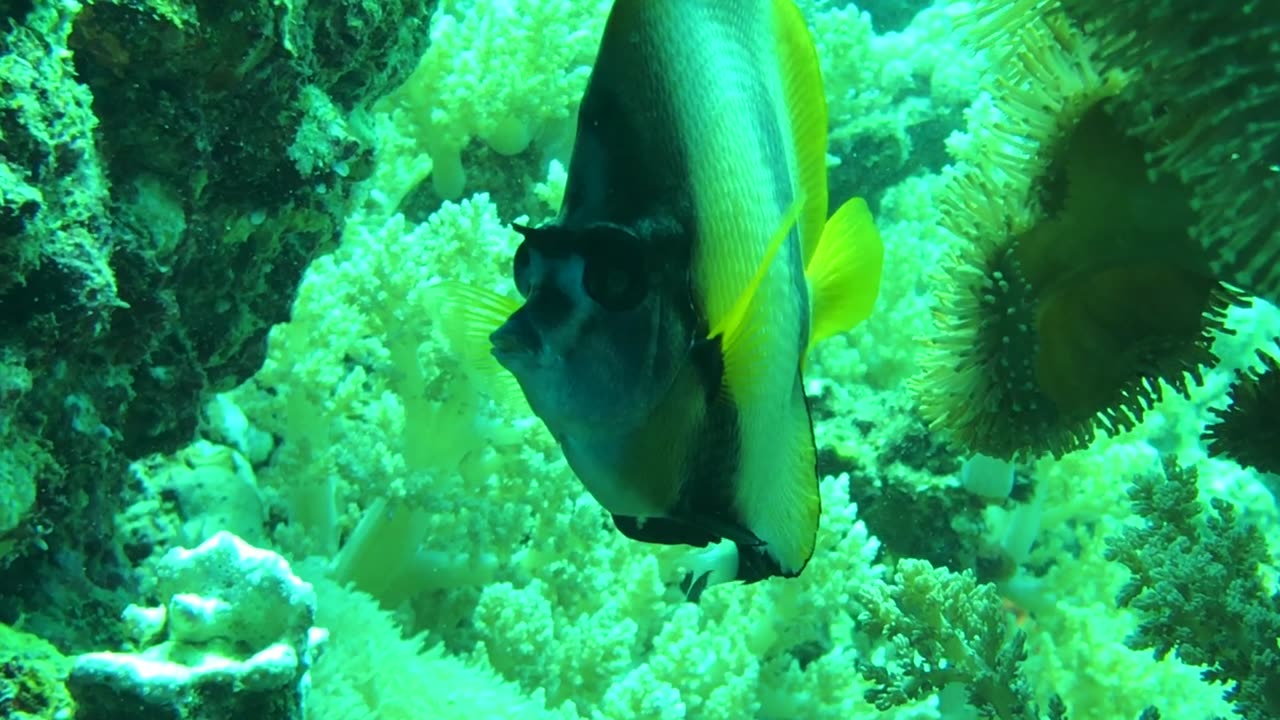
(844, 273)
(468, 315)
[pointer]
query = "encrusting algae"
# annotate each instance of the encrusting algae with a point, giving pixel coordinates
(1082, 286)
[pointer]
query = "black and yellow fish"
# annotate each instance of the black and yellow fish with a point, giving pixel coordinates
(668, 309)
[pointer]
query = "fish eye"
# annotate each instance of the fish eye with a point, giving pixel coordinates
(614, 276)
(520, 269)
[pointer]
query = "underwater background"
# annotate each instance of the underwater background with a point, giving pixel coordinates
(241, 474)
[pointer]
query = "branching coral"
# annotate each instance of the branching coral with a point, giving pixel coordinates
(606, 631)
(370, 670)
(941, 628)
(1198, 591)
(1066, 590)
(504, 72)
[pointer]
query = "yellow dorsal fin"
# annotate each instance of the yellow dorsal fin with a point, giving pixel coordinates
(806, 107)
(844, 274)
(738, 329)
(467, 316)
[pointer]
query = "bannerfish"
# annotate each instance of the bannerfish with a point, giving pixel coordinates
(666, 312)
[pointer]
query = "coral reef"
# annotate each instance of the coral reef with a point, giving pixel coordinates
(893, 96)
(969, 641)
(57, 290)
(223, 230)
(31, 677)
(370, 669)
(184, 498)
(464, 88)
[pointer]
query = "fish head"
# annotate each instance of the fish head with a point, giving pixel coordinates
(599, 336)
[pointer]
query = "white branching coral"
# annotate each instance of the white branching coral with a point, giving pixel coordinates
(507, 72)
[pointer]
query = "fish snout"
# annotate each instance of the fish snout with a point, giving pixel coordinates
(516, 339)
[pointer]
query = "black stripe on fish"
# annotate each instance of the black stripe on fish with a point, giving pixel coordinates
(622, 167)
(703, 512)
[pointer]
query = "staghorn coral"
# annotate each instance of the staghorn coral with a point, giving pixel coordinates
(1248, 429)
(1047, 329)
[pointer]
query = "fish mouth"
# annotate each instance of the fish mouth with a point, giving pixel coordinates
(504, 343)
(509, 357)
(509, 350)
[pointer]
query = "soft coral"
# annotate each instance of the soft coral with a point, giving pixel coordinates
(1197, 589)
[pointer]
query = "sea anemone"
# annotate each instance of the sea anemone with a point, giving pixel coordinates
(1248, 429)
(1077, 292)
(1205, 96)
